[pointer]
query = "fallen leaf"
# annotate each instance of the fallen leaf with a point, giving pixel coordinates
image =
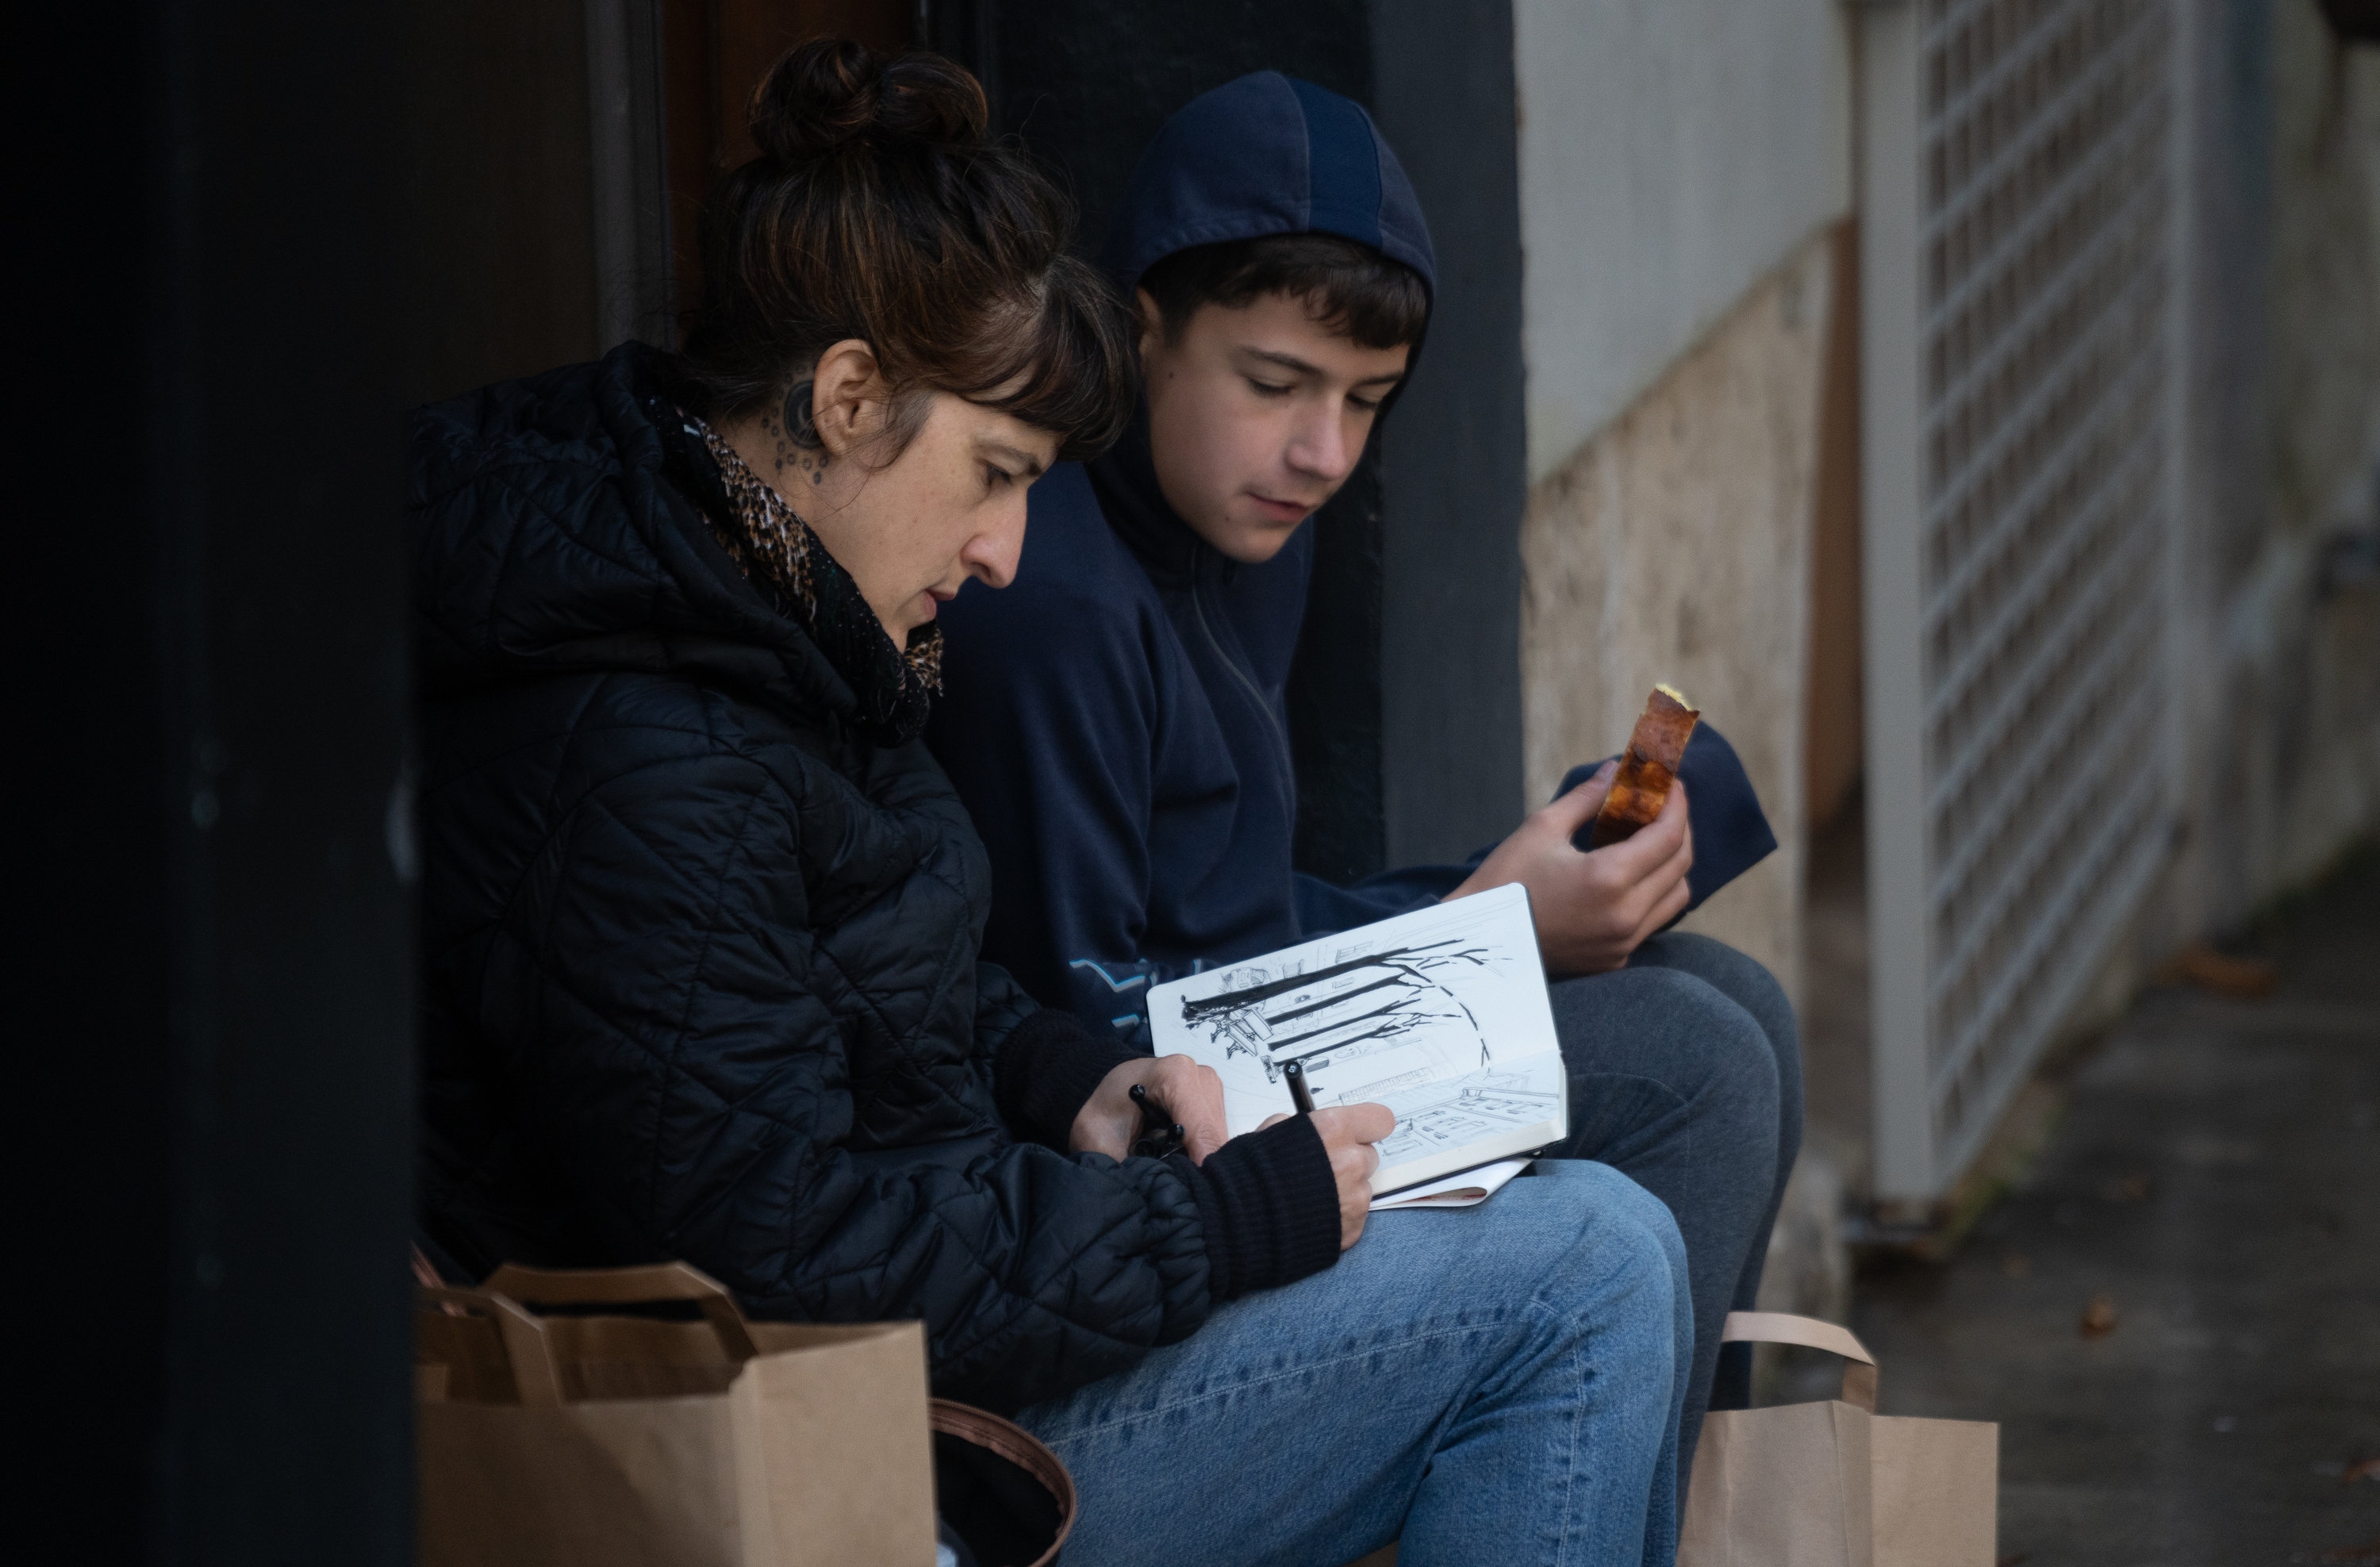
(2355, 1555)
(2016, 1264)
(2235, 978)
(2362, 1469)
(2099, 1316)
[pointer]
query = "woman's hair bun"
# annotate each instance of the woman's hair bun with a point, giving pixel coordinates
(831, 90)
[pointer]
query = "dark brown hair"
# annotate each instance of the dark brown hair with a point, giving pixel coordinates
(876, 210)
(1350, 287)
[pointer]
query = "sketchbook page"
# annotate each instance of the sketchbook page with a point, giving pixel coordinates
(1406, 1002)
(1441, 1014)
(1442, 1128)
(1468, 1189)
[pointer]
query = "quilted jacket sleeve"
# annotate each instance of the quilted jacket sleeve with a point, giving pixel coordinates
(686, 1048)
(1041, 1066)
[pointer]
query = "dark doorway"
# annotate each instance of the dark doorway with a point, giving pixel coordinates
(291, 224)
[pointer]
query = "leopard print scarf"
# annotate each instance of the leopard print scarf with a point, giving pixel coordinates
(778, 553)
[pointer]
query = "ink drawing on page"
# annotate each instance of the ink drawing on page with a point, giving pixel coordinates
(1441, 1014)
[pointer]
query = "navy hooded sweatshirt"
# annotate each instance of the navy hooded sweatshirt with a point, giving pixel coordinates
(1114, 721)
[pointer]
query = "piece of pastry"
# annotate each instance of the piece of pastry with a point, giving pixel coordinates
(1655, 748)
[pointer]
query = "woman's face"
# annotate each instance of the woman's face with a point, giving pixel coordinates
(912, 531)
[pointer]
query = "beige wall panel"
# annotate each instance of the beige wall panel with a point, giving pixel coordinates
(1670, 155)
(1675, 544)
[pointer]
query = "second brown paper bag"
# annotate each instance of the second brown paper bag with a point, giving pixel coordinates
(1834, 1484)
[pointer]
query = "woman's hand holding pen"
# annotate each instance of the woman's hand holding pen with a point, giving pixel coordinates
(1193, 1096)
(1348, 1132)
(1111, 1119)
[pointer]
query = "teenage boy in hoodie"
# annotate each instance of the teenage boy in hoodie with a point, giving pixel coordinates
(1115, 719)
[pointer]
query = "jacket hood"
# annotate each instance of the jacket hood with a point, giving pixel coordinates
(1267, 154)
(557, 530)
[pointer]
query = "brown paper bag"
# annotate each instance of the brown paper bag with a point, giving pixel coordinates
(1836, 1484)
(601, 1441)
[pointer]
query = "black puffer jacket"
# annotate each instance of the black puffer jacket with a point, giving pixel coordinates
(701, 962)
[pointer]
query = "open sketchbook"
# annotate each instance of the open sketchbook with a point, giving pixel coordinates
(1441, 1014)
(1468, 1189)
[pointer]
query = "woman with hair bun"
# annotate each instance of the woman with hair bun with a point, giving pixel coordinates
(700, 915)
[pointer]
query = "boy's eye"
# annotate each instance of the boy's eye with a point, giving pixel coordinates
(995, 476)
(1364, 405)
(1269, 389)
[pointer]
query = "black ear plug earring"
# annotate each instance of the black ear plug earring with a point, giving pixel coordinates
(800, 429)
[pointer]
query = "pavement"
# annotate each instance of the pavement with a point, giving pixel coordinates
(2175, 1314)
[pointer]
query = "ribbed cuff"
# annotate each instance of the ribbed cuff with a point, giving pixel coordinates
(1270, 1207)
(1047, 1068)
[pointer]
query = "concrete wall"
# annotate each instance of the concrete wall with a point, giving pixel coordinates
(2279, 634)
(1671, 155)
(1680, 166)
(1675, 545)
(2320, 650)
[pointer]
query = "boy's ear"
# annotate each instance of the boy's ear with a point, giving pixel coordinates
(1151, 319)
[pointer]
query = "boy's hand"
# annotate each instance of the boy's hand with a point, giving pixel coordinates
(1348, 1132)
(1593, 909)
(1109, 1121)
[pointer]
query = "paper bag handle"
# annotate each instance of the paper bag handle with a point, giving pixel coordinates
(526, 1349)
(631, 1286)
(1776, 1328)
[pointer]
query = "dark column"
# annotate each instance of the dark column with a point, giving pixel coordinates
(211, 985)
(1456, 460)
(1088, 82)
(1335, 688)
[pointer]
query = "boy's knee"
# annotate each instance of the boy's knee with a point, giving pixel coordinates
(1740, 977)
(1723, 1054)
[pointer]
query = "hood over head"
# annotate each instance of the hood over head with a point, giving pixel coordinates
(1265, 154)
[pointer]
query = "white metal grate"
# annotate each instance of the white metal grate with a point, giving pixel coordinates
(2018, 235)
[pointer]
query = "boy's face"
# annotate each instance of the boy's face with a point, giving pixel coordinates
(1257, 416)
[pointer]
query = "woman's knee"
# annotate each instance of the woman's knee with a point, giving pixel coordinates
(1624, 1230)
(1631, 1294)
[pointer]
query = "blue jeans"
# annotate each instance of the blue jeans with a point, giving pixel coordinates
(1489, 1384)
(1685, 1076)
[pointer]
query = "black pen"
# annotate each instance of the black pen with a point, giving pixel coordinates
(1298, 1091)
(1160, 1134)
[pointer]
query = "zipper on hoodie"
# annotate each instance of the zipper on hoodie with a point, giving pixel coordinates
(1248, 681)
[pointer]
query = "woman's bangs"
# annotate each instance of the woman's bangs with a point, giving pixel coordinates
(1070, 370)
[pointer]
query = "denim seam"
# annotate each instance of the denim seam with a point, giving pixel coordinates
(1584, 1366)
(1578, 1418)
